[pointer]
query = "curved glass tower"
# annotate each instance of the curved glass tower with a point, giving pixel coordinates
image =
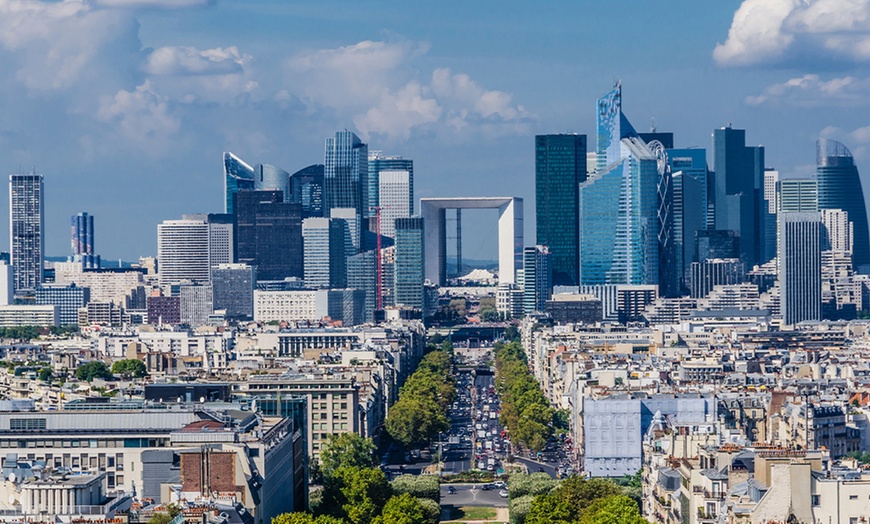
(840, 188)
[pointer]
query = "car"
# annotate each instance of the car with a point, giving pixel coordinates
(499, 484)
(451, 490)
(503, 494)
(486, 487)
(541, 469)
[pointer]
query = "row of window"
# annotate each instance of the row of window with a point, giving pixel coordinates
(85, 443)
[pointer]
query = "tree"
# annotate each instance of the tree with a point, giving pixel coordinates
(512, 333)
(355, 494)
(412, 420)
(616, 509)
(160, 517)
(95, 369)
(534, 484)
(420, 486)
(306, 518)
(432, 510)
(130, 368)
(549, 508)
(519, 507)
(45, 374)
(347, 449)
(402, 509)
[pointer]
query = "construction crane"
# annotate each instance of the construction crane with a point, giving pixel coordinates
(380, 269)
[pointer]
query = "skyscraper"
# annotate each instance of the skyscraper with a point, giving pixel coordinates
(307, 190)
(238, 175)
(233, 289)
(799, 251)
(400, 169)
(67, 300)
(27, 234)
(325, 256)
(362, 274)
(267, 176)
(408, 287)
(689, 201)
(345, 174)
(537, 278)
(619, 205)
(396, 197)
(840, 188)
(182, 251)
(560, 167)
(82, 240)
(268, 234)
(738, 172)
(837, 230)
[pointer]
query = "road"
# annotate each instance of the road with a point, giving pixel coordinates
(472, 495)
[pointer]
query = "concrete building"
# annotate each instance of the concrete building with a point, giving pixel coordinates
(67, 299)
(27, 230)
(233, 287)
(197, 303)
(183, 251)
(17, 316)
(7, 284)
(163, 309)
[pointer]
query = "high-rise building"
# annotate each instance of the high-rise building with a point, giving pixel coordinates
(233, 289)
(238, 176)
(619, 205)
(716, 243)
(325, 253)
(66, 299)
(7, 284)
(345, 174)
(396, 194)
(307, 190)
(163, 309)
(400, 185)
(362, 274)
(182, 251)
(537, 278)
(738, 173)
(82, 240)
(771, 177)
(799, 251)
(714, 272)
(689, 206)
(408, 283)
(560, 168)
(267, 176)
(221, 248)
(354, 226)
(837, 231)
(27, 234)
(197, 302)
(268, 234)
(840, 188)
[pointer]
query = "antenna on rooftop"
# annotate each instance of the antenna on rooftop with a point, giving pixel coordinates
(652, 124)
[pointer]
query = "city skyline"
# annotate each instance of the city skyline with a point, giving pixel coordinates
(174, 92)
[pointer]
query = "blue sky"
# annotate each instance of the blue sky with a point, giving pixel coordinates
(126, 105)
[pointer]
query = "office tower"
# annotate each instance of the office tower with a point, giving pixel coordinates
(408, 287)
(26, 230)
(666, 139)
(197, 303)
(354, 226)
(182, 251)
(233, 289)
(238, 176)
(631, 301)
(82, 241)
(267, 176)
(689, 211)
(560, 167)
(401, 172)
(307, 190)
(362, 274)
(619, 205)
(268, 234)
(738, 173)
(537, 278)
(221, 249)
(840, 188)
(163, 309)
(714, 243)
(714, 272)
(345, 174)
(837, 231)
(799, 250)
(768, 207)
(66, 299)
(7, 284)
(325, 253)
(396, 197)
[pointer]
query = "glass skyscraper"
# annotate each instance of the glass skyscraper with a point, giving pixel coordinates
(560, 168)
(27, 234)
(408, 274)
(82, 240)
(267, 176)
(799, 251)
(345, 173)
(840, 188)
(618, 205)
(237, 176)
(689, 211)
(268, 234)
(307, 189)
(379, 163)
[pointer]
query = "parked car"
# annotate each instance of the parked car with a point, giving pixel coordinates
(451, 490)
(503, 494)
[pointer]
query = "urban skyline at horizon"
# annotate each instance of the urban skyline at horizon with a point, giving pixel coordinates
(170, 101)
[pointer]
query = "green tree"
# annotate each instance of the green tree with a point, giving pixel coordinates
(355, 494)
(432, 510)
(562, 419)
(160, 517)
(616, 509)
(45, 374)
(347, 449)
(420, 486)
(412, 420)
(130, 368)
(94, 369)
(402, 509)
(512, 333)
(534, 484)
(306, 518)
(519, 507)
(549, 508)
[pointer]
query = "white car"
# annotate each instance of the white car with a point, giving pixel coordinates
(503, 494)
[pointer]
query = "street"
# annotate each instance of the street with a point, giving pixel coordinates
(472, 495)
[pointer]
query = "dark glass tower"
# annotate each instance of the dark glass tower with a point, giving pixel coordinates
(840, 188)
(560, 168)
(237, 176)
(307, 189)
(409, 262)
(268, 234)
(345, 173)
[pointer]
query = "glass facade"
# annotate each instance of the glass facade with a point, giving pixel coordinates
(27, 238)
(325, 245)
(689, 182)
(408, 288)
(612, 128)
(237, 176)
(345, 173)
(362, 274)
(267, 176)
(560, 167)
(537, 278)
(307, 190)
(379, 163)
(67, 300)
(269, 234)
(233, 288)
(840, 188)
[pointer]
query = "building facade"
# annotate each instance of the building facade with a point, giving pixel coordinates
(325, 252)
(67, 300)
(233, 288)
(182, 251)
(26, 230)
(238, 175)
(410, 257)
(268, 234)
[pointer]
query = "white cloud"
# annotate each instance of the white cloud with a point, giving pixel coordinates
(158, 4)
(780, 31)
(141, 115)
(811, 91)
(178, 60)
(378, 85)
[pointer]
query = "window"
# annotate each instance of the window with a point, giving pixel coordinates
(815, 500)
(26, 423)
(853, 497)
